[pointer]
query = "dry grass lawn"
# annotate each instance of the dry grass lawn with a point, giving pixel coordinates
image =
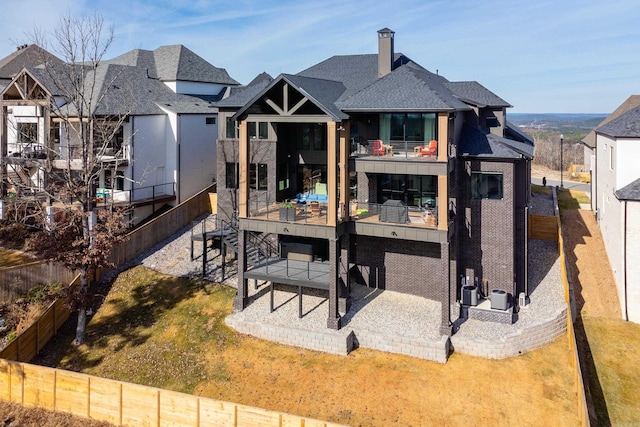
(167, 332)
(610, 346)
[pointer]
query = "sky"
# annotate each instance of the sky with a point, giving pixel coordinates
(541, 56)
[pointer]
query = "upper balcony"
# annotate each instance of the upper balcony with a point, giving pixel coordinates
(394, 150)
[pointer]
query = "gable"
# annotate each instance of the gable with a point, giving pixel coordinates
(290, 96)
(24, 87)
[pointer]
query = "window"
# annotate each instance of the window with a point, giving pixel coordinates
(612, 158)
(418, 127)
(311, 137)
(231, 175)
(230, 128)
(486, 185)
(258, 176)
(258, 130)
(115, 183)
(413, 190)
(210, 120)
(27, 133)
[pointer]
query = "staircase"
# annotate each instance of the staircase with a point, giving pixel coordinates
(260, 249)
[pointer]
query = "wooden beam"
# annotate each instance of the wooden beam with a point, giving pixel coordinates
(343, 162)
(443, 202)
(332, 174)
(443, 137)
(275, 107)
(243, 178)
(298, 105)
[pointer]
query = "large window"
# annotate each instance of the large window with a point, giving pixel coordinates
(27, 133)
(412, 190)
(258, 130)
(231, 175)
(418, 127)
(311, 137)
(486, 185)
(258, 176)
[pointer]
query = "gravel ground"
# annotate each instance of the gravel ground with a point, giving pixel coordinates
(383, 311)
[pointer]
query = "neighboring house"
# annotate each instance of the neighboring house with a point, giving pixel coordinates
(164, 149)
(589, 144)
(617, 200)
(371, 169)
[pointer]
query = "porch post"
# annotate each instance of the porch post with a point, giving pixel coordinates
(332, 174)
(345, 190)
(334, 321)
(242, 296)
(243, 178)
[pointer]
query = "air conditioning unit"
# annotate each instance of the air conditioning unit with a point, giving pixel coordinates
(470, 295)
(499, 299)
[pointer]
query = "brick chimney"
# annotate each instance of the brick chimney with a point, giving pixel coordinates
(385, 51)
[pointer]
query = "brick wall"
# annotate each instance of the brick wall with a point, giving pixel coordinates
(487, 230)
(404, 266)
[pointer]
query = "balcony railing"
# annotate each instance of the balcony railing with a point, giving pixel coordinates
(395, 214)
(261, 207)
(139, 194)
(395, 150)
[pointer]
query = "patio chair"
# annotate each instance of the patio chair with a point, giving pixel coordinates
(432, 149)
(379, 148)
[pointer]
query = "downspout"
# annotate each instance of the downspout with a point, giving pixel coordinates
(624, 261)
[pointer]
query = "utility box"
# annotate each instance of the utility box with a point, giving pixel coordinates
(499, 299)
(469, 295)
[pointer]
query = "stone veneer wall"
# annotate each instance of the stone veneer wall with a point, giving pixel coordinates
(343, 341)
(521, 341)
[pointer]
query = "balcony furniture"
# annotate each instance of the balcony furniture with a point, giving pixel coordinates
(315, 208)
(432, 149)
(394, 211)
(378, 148)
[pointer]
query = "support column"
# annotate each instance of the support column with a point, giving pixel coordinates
(334, 321)
(345, 190)
(243, 173)
(242, 296)
(332, 174)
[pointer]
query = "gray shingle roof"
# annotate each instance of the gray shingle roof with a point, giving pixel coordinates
(241, 95)
(630, 191)
(355, 72)
(474, 93)
(406, 88)
(175, 62)
(24, 57)
(632, 102)
(626, 125)
(324, 93)
(477, 143)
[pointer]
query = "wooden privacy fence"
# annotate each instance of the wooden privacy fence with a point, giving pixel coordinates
(18, 280)
(128, 404)
(162, 227)
(583, 413)
(543, 227)
(30, 341)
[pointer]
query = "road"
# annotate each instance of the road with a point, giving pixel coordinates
(571, 185)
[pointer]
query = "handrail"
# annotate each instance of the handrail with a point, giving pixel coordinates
(393, 149)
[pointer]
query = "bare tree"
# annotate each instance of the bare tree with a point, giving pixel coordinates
(86, 109)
